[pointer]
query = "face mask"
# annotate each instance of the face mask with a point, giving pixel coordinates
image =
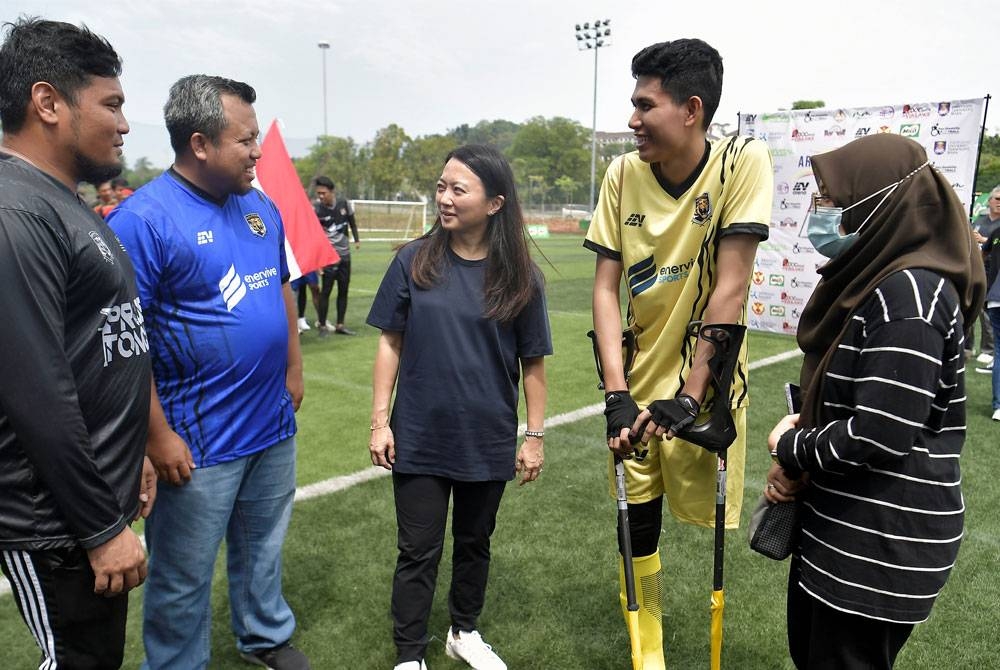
(823, 231)
(823, 224)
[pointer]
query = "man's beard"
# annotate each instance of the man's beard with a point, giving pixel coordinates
(95, 173)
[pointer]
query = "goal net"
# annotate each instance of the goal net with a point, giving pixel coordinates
(389, 220)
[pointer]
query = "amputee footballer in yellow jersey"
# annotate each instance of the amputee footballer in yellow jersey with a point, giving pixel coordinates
(679, 221)
(668, 247)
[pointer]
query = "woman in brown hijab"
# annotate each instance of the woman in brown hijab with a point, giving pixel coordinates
(874, 455)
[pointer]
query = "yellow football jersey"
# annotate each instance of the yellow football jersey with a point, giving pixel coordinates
(667, 240)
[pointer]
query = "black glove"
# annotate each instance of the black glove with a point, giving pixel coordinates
(675, 415)
(620, 411)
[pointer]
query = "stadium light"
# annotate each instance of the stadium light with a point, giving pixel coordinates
(324, 46)
(594, 38)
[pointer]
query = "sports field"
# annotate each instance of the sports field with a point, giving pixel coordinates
(553, 597)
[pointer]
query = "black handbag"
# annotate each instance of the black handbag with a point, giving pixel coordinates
(774, 528)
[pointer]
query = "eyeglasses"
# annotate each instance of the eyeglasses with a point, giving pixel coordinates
(821, 200)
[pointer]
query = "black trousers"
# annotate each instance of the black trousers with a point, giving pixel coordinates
(74, 627)
(300, 298)
(822, 638)
(339, 274)
(421, 515)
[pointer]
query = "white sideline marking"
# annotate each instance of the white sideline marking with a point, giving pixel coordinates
(335, 484)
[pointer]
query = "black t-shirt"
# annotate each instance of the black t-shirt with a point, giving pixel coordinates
(74, 369)
(455, 411)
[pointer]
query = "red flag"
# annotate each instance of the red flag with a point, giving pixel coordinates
(306, 244)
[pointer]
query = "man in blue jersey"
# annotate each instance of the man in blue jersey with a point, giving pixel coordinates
(209, 256)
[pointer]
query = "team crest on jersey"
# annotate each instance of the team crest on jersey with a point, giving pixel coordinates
(103, 247)
(702, 210)
(256, 224)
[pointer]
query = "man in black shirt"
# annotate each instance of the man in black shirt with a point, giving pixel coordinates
(74, 362)
(336, 215)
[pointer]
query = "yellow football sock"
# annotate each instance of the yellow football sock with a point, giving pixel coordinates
(648, 580)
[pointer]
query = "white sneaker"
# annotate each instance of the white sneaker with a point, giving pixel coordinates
(471, 648)
(984, 358)
(986, 369)
(303, 324)
(411, 665)
(996, 415)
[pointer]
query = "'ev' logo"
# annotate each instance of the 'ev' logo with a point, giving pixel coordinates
(635, 220)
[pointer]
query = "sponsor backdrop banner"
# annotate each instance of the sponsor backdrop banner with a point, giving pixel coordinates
(785, 267)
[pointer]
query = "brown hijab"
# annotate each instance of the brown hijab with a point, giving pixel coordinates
(920, 225)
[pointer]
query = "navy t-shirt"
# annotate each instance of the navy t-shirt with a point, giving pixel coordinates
(455, 411)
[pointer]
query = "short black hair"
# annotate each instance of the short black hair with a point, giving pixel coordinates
(685, 67)
(61, 54)
(325, 181)
(194, 105)
(118, 182)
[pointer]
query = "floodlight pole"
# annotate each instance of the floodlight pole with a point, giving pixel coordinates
(593, 140)
(601, 37)
(324, 46)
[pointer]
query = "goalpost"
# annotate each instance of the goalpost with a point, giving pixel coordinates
(390, 220)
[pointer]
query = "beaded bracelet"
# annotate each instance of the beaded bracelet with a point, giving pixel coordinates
(534, 433)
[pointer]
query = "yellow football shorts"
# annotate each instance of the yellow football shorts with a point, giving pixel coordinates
(686, 475)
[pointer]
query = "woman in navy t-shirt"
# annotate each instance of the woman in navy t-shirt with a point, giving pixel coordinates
(463, 317)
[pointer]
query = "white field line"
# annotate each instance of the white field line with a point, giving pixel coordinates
(334, 484)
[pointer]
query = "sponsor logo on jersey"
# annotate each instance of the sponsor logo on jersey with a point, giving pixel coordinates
(641, 276)
(909, 130)
(232, 287)
(256, 224)
(702, 210)
(123, 332)
(635, 219)
(205, 237)
(102, 246)
(672, 273)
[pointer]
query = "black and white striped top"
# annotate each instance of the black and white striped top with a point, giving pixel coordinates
(883, 514)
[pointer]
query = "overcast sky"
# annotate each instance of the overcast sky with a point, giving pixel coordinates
(432, 65)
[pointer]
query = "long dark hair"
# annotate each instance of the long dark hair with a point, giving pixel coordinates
(511, 276)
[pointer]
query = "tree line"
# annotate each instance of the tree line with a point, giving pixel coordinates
(550, 158)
